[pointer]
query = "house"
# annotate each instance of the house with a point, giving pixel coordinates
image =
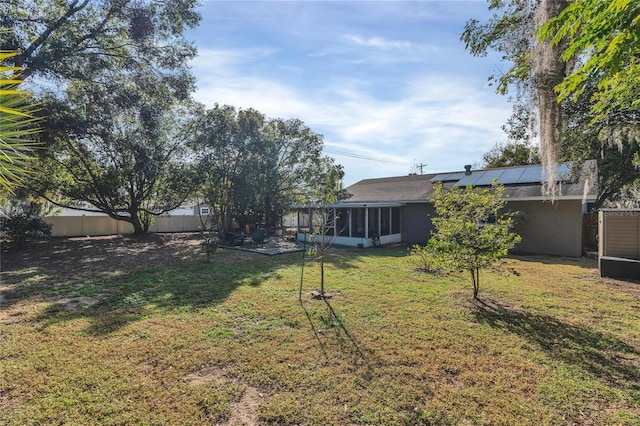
(398, 209)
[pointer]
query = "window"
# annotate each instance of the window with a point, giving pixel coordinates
(357, 223)
(374, 222)
(342, 222)
(205, 211)
(395, 220)
(385, 221)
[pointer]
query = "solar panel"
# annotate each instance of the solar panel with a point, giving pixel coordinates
(531, 174)
(564, 172)
(487, 177)
(511, 176)
(447, 177)
(470, 179)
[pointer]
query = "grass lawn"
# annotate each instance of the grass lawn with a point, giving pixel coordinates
(90, 334)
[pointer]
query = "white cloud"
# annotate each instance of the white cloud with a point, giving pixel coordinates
(444, 120)
(377, 42)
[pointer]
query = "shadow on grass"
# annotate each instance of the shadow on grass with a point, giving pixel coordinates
(603, 356)
(345, 257)
(331, 323)
(557, 260)
(115, 281)
(332, 320)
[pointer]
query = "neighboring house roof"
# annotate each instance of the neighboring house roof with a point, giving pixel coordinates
(521, 183)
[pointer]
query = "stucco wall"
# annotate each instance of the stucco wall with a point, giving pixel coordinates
(550, 228)
(416, 222)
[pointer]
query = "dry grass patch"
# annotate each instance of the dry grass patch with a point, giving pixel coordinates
(183, 341)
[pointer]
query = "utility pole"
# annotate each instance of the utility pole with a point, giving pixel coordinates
(420, 166)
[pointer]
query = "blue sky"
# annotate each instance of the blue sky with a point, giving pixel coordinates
(387, 80)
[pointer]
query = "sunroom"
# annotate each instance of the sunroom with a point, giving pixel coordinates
(350, 224)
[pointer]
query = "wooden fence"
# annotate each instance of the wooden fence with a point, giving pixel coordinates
(77, 226)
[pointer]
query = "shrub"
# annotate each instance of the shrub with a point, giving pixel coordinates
(22, 227)
(423, 259)
(210, 245)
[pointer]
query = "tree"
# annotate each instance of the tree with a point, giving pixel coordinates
(115, 150)
(510, 33)
(255, 167)
(598, 117)
(511, 154)
(295, 166)
(537, 66)
(613, 142)
(16, 127)
(78, 40)
(604, 36)
(120, 67)
(463, 238)
(328, 190)
(223, 140)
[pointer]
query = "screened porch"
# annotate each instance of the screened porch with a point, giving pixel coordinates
(350, 224)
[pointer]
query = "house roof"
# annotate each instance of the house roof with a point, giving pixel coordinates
(419, 188)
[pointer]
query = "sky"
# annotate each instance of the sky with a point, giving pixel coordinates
(388, 83)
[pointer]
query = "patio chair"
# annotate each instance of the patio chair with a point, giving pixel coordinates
(231, 239)
(258, 236)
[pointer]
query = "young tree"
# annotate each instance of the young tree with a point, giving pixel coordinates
(328, 190)
(463, 238)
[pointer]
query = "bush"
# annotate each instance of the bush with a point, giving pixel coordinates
(423, 259)
(210, 245)
(22, 227)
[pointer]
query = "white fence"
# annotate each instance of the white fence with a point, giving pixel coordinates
(78, 226)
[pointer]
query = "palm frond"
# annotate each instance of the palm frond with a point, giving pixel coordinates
(17, 127)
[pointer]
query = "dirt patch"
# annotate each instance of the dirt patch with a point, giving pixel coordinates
(53, 270)
(108, 253)
(243, 412)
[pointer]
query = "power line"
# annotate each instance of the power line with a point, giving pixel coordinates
(362, 157)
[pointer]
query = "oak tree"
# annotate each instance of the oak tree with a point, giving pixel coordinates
(115, 151)
(255, 167)
(78, 40)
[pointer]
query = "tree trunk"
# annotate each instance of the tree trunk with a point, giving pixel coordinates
(138, 226)
(322, 273)
(548, 71)
(475, 279)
